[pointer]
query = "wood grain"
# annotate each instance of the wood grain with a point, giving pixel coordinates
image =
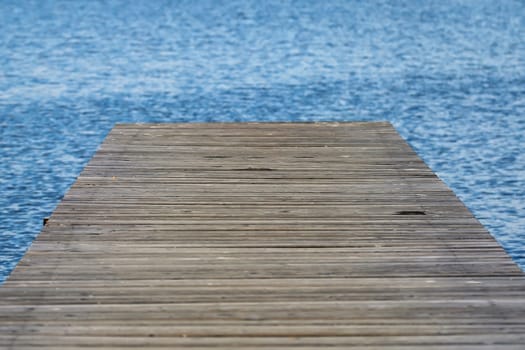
(262, 236)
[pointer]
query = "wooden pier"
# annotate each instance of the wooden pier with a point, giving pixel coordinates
(262, 236)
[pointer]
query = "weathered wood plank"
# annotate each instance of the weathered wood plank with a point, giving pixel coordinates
(266, 236)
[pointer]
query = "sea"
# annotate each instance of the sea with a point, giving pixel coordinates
(448, 74)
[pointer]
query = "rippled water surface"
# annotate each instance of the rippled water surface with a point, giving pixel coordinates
(450, 76)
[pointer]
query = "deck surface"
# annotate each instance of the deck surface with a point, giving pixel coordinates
(263, 236)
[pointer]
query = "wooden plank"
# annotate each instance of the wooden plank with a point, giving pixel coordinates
(262, 236)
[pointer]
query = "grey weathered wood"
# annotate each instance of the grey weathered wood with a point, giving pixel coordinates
(262, 236)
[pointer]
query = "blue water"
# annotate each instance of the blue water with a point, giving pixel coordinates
(450, 76)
